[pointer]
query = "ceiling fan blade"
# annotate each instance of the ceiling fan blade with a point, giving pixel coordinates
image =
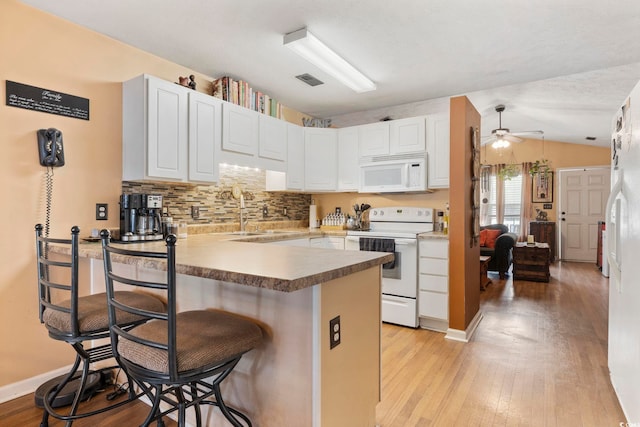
(489, 139)
(528, 132)
(511, 138)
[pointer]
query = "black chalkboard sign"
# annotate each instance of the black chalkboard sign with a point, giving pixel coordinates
(46, 101)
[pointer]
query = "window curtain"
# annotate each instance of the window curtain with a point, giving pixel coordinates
(499, 194)
(485, 192)
(525, 212)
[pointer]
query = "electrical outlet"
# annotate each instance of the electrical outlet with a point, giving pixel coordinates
(195, 212)
(335, 332)
(102, 211)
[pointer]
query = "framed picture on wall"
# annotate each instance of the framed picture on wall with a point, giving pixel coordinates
(542, 188)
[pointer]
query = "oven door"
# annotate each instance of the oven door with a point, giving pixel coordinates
(402, 279)
(399, 284)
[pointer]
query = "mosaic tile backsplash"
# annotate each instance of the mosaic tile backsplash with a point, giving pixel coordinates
(218, 207)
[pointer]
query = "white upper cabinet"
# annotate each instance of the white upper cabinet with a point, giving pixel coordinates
(253, 139)
(273, 138)
(240, 129)
(154, 126)
(438, 150)
(407, 135)
(321, 159)
(348, 169)
(205, 134)
(373, 139)
(295, 157)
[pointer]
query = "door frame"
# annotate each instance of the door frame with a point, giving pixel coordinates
(558, 179)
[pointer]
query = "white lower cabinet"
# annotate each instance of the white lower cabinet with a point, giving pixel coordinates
(327, 242)
(292, 242)
(433, 283)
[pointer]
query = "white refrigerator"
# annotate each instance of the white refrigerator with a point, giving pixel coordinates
(623, 254)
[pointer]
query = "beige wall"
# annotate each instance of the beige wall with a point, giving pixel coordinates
(560, 155)
(39, 50)
(327, 202)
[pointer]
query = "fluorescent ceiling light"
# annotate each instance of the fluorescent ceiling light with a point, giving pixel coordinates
(313, 50)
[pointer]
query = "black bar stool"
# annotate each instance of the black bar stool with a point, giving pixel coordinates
(74, 319)
(178, 358)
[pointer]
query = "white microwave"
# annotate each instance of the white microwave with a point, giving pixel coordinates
(394, 174)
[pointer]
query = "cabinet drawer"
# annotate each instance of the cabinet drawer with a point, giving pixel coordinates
(434, 266)
(434, 248)
(429, 282)
(432, 304)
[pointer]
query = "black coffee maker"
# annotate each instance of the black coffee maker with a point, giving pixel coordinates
(140, 217)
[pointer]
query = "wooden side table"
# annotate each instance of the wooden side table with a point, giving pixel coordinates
(484, 278)
(531, 262)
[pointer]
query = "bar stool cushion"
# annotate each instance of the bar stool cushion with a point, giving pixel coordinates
(93, 311)
(205, 338)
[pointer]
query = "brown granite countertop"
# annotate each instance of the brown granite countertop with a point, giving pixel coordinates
(247, 261)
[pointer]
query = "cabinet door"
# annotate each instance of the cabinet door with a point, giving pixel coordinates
(205, 134)
(433, 304)
(335, 243)
(407, 135)
(438, 150)
(239, 129)
(273, 138)
(321, 165)
(167, 110)
(348, 169)
(295, 157)
(373, 139)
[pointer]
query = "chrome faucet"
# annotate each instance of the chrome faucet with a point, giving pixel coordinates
(243, 222)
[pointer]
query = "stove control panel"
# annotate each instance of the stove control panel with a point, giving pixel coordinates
(401, 214)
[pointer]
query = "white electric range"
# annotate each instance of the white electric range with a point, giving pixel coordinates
(396, 229)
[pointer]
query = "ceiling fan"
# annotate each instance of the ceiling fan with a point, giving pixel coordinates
(502, 137)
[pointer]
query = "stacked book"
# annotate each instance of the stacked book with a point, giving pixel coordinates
(240, 93)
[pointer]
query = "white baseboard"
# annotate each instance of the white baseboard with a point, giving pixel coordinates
(465, 336)
(29, 385)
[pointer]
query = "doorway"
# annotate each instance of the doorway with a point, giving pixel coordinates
(583, 199)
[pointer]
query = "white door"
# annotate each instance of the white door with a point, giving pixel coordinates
(583, 200)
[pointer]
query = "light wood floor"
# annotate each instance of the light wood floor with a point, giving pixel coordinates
(538, 358)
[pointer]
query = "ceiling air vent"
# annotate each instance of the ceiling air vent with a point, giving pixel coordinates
(309, 79)
(590, 138)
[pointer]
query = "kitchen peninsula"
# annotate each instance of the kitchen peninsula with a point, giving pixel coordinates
(294, 377)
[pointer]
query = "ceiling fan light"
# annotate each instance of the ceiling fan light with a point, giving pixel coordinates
(500, 143)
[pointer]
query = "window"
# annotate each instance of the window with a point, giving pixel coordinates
(512, 203)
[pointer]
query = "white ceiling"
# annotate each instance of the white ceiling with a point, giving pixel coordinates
(560, 66)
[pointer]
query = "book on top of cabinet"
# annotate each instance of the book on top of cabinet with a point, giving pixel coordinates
(240, 93)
